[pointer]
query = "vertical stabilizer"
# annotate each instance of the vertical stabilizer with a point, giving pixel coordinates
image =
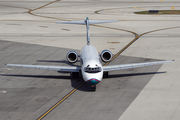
(88, 34)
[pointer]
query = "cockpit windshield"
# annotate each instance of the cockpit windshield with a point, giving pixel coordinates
(92, 69)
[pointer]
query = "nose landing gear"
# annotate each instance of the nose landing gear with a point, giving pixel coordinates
(93, 88)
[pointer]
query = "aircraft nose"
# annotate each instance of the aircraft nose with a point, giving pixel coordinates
(93, 81)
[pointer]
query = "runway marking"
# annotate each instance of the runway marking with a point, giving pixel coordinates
(43, 6)
(115, 29)
(112, 42)
(140, 8)
(158, 30)
(3, 91)
(15, 7)
(156, 35)
(30, 11)
(59, 102)
(6, 69)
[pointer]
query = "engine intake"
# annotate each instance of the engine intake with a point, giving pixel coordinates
(106, 55)
(72, 57)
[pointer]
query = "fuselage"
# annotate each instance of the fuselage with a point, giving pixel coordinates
(91, 67)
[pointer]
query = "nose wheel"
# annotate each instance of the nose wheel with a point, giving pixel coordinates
(93, 88)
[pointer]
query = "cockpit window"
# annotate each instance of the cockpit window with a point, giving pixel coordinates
(92, 69)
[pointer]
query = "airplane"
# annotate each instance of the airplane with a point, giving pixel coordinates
(90, 67)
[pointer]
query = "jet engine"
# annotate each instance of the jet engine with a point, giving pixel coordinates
(72, 57)
(106, 55)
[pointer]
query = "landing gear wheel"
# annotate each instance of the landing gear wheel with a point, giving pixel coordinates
(105, 75)
(93, 88)
(75, 75)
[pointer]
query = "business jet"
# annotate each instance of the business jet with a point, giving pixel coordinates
(90, 67)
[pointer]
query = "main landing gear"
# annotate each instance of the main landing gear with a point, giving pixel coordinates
(93, 88)
(75, 74)
(105, 75)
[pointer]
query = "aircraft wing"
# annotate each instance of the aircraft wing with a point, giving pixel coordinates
(47, 67)
(132, 65)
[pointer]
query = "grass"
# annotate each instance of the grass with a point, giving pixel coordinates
(167, 12)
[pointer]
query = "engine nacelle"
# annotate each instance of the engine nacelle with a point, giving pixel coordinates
(72, 57)
(106, 55)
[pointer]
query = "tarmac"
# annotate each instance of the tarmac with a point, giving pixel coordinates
(29, 35)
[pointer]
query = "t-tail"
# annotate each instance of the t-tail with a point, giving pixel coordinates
(87, 22)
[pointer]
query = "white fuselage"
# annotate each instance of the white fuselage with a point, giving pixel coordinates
(91, 68)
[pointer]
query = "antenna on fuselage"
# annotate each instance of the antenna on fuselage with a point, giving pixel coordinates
(87, 22)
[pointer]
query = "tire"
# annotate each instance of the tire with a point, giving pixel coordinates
(75, 75)
(105, 75)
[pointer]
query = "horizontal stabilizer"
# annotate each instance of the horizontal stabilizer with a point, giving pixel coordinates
(90, 22)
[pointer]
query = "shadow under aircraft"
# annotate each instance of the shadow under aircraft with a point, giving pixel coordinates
(76, 81)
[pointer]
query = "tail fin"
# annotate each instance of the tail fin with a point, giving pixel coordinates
(87, 22)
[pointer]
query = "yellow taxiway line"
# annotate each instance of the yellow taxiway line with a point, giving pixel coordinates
(59, 102)
(140, 8)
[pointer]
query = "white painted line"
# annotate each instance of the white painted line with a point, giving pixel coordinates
(156, 35)
(6, 69)
(3, 91)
